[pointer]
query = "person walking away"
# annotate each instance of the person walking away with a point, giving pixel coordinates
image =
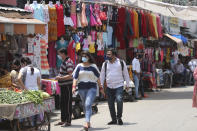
(65, 82)
(114, 72)
(14, 73)
(86, 77)
(136, 74)
(29, 77)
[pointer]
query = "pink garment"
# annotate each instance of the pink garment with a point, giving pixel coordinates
(84, 21)
(48, 86)
(162, 55)
(57, 88)
(92, 19)
(94, 35)
(159, 27)
(73, 14)
(52, 55)
(194, 104)
(97, 13)
(86, 45)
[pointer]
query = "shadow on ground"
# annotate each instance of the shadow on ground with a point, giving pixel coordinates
(168, 95)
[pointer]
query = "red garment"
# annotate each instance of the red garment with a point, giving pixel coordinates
(71, 51)
(120, 27)
(159, 27)
(52, 55)
(60, 20)
(100, 53)
(144, 25)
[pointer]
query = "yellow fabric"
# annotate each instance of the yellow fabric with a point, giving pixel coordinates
(92, 48)
(155, 25)
(78, 46)
(136, 24)
(130, 72)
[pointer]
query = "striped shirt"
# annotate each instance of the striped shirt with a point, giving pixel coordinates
(86, 76)
(66, 67)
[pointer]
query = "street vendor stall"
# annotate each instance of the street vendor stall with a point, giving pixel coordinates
(19, 113)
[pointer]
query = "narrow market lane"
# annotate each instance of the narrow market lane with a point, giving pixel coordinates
(168, 110)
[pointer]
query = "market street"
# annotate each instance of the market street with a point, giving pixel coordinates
(168, 110)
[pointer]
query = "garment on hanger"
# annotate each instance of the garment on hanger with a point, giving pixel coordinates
(73, 13)
(85, 45)
(68, 21)
(79, 20)
(84, 21)
(92, 18)
(159, 27)
(60, 20)
(52, 24)
(97, 13)
(38, 12)
(43, 56)
(155, 26)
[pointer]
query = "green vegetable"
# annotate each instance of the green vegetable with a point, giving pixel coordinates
(11, 97)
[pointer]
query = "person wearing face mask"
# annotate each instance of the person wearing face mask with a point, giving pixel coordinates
(114, 71)
(65, 82)
(14, 73)
(136, 73)
(86, 77)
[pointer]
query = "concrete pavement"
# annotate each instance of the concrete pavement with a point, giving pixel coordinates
(168, 110)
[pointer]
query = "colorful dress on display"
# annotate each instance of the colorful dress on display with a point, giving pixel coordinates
(84, 21)
(38, 12)
(60, 20)
(97, 13)
(73, 14)
(43, 56)
(85, 45)
(92, 19)
(60, 44)
(52, 25)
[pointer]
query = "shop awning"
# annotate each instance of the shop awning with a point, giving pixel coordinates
(21, 26)
(178, 41)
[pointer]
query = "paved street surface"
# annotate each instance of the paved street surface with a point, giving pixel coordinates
(168, 110)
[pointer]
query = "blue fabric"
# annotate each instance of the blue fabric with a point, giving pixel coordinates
(182, 38)
(136, 82)
(38, 12)
(87, 96)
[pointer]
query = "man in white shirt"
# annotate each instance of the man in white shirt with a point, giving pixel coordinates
(115, 72)
(136, 73)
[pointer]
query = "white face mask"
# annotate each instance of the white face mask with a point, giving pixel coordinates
(59, 57)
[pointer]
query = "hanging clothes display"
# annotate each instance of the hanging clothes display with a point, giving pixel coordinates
(52, 25)
(60, 20)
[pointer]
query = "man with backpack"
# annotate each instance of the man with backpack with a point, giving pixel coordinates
(114, 72)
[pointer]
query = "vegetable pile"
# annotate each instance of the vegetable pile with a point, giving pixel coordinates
(11, 97)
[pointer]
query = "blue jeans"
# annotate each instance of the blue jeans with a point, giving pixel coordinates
(136, 82)
(87, 97)
(115, 94)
